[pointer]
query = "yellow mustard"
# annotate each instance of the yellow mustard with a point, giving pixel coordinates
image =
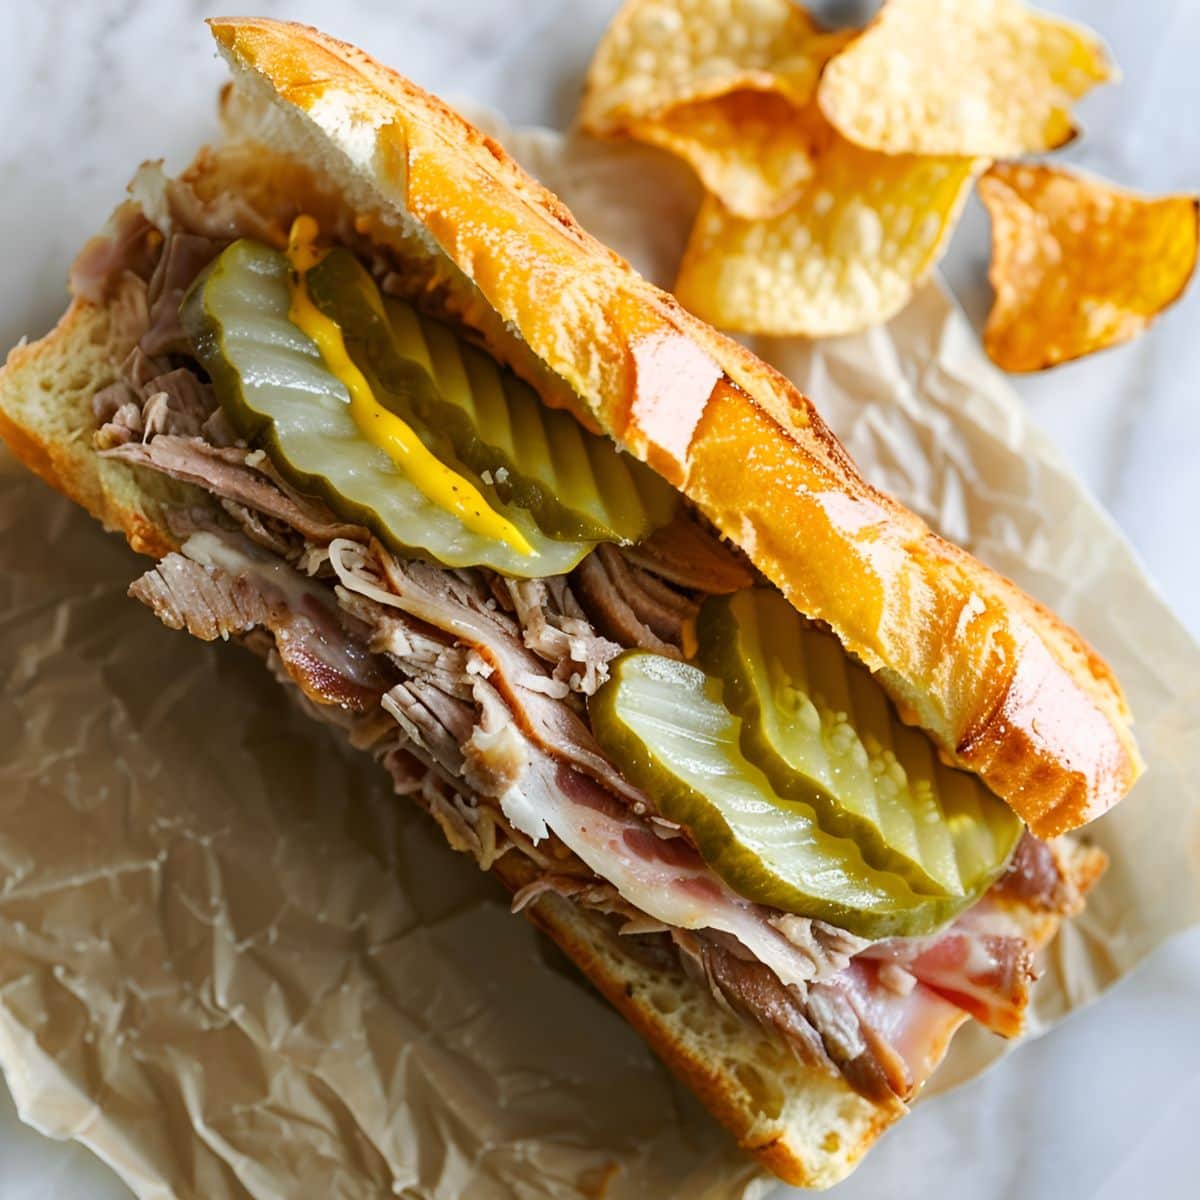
(382, 428)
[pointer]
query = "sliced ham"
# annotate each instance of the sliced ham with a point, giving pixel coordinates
(662, 877)
(885, 1044)
(882, 1035)
(981, 963)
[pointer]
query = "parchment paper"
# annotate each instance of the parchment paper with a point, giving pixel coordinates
(233, 964)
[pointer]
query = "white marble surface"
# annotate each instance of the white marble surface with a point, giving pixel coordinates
(1108, 1106)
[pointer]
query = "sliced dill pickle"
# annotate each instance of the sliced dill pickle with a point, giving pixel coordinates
(577, 485)
(277, 392)
(824, 732)
(663, 722)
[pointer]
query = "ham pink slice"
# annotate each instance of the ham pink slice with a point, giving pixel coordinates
(664, 877)
(981, 963)
(906, 1031)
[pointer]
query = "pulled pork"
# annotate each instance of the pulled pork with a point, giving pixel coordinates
(222, 586)
(556, 629)
(631, 605)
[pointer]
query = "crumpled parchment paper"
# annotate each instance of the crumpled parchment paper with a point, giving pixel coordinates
(233, 964)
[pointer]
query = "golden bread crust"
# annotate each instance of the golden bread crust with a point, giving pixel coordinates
(1004, 688)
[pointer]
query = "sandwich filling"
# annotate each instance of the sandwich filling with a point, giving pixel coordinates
(548, 651)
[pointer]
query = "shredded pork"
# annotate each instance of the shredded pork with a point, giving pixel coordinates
(219, 586)
(630, 605)
(235, 474)
(557, 630)
(209, 604)
(183, 257)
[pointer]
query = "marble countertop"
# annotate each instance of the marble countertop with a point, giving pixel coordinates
(91, 89)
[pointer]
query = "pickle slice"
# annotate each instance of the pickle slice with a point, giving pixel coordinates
(824, 732)
(577, 485)
(277, 392)
(664, 724)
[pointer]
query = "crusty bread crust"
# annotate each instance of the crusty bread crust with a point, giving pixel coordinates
(1002, 686)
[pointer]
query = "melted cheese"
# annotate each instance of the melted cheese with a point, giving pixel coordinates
(382, 428)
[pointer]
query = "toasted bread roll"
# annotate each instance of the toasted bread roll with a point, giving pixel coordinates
(1003, 687)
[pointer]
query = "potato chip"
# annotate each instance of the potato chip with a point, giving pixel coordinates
(845, 256)
(750, 148)
(979, 77)
(1078, 265)
(657, 54)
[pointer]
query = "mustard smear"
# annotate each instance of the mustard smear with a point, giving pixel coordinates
(382, 428)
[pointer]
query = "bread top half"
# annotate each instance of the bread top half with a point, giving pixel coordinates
(1003, 687)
